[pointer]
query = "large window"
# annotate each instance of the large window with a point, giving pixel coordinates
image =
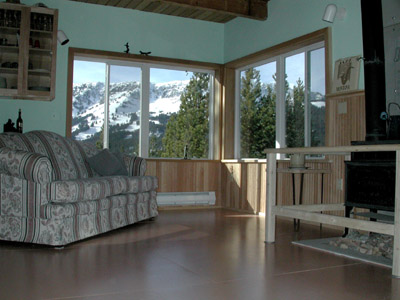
(141, 108)
(280, 102)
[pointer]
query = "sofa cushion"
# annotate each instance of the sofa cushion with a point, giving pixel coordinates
(69, 191)
(106, 163)
(67, 210)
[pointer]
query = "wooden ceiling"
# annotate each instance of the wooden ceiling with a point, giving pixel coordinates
(220, 11)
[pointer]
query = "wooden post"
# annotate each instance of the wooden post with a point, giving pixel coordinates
(271, 198)
(396, 245)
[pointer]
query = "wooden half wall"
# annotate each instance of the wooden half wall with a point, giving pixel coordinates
(179, 175)
(243, 184)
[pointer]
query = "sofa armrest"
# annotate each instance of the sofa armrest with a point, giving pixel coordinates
(26, 165)
(136, 165)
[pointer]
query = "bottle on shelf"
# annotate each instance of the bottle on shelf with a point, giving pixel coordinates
(20, 122)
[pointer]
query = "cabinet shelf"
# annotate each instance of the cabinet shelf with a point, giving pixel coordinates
(9, 30)
(9, 48)
(9, 70)
(41, 32)
(11, 91)
(39, 72)
(40, 51)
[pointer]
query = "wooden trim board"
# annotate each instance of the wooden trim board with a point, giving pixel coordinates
(317, 217)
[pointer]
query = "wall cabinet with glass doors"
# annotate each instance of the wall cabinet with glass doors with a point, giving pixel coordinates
(28, 45)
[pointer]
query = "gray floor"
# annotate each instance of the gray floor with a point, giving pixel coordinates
(201, 254)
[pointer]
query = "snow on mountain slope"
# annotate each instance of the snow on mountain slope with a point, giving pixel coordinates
(86, 95)
(124, 108)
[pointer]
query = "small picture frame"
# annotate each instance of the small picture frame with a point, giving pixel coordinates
(347, 74)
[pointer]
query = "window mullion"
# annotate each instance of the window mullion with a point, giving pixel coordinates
(280, 104)
(211, 117)
(307, 119)
(106, 108)
(237, 115)
(144, 112)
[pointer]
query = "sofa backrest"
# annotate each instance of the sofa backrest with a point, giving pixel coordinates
(66, 155)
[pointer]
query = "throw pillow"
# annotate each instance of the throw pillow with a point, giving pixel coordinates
(120, 157)
(107, 164)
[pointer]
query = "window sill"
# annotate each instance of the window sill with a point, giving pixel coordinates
(260, 160)
(167, 159)
(245, 160)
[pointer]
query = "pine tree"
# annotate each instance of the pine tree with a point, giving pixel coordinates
(318, 126)
(295, 116)
(189, 126)
(250, 93)
(264, 123)
(154, 147)
(99, 142)
(257, 115)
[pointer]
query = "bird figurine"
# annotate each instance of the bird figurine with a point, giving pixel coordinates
(127, 48)
(145, 53)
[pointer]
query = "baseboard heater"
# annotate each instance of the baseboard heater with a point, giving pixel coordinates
(193, 198)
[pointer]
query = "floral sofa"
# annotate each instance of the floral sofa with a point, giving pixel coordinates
(50, 194)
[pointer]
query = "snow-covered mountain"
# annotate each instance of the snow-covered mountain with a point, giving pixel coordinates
(124, 108)
(88, 105)
(316, 97)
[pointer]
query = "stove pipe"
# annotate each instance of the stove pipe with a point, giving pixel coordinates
(374, 69)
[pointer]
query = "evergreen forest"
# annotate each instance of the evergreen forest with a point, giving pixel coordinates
(186, 132)
(258, 116)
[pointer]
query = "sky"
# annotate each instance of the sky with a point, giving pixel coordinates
(294, 67)
(85, 71)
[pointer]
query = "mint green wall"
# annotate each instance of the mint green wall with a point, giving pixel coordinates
(390, 12)
(108, 28)
(288, 19)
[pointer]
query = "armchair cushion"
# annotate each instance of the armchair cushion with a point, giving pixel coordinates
(26, 165)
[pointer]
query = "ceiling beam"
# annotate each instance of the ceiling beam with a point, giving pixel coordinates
(253, 9)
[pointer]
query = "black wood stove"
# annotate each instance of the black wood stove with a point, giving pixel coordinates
(370, 176)
(370, 179)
